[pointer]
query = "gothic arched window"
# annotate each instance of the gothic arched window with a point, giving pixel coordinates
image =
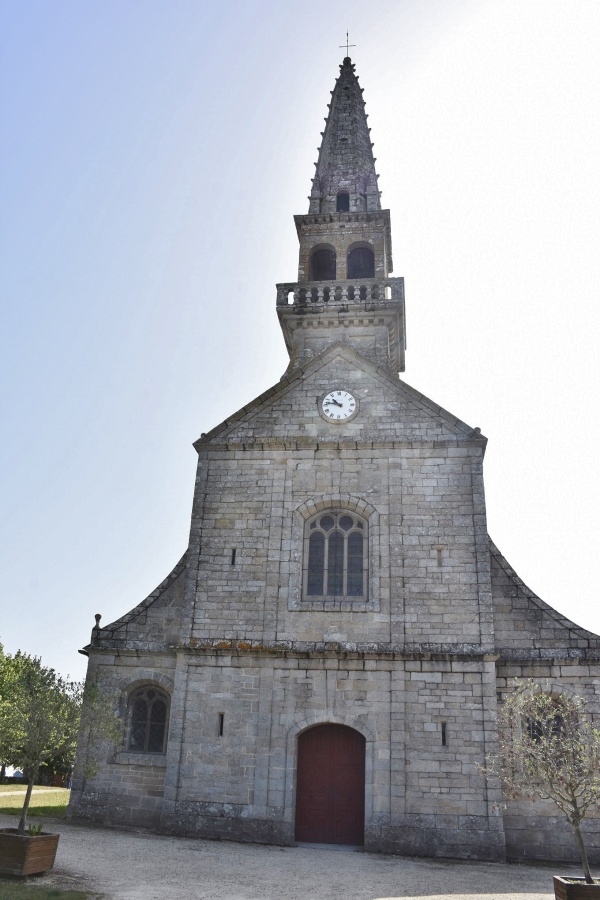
(335, 555)
(550, 721)
(148, 718)
(361, 263)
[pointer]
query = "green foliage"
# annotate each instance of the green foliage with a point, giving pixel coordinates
(550, 750)
(39, 712)
(100, 727)
(40, 717)
(35, 829)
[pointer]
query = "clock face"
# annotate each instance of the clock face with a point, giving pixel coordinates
(338, 406)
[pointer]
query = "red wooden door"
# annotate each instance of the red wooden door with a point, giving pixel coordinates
(330, 790)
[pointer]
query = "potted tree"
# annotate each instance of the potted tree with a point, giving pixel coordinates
(549, 750)
(40, 717)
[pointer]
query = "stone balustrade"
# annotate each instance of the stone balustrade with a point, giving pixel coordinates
(363, 291)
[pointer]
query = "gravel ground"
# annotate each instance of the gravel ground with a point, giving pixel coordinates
(136, 865)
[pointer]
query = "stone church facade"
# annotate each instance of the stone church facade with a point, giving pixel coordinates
(326, 660)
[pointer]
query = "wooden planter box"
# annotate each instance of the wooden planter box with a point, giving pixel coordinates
(26, 854)
(575, 889)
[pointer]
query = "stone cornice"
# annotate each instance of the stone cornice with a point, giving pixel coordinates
(367, 649)
(343, 218)
(315, 446)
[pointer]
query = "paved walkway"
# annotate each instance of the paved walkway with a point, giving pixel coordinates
(129, 865)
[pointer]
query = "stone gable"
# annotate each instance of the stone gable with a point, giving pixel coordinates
(389, 409)
(155, 623)
(526, 628)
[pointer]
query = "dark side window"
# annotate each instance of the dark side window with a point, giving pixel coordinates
(322, 265)
(361, 263)
(148, 708)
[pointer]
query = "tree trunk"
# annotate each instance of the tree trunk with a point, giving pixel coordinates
(583, 854)
(24, 811)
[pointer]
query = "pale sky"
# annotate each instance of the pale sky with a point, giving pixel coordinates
(153, 155)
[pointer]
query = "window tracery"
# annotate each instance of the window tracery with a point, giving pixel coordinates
(335, 554)
(148, 720)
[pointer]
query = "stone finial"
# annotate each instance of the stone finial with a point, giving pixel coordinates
(97, 618)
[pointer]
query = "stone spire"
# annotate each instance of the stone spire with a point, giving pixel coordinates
(345, 178)
(344, 290)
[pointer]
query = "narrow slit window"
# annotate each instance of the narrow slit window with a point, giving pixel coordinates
(440, 557)
(355, 564)
(444, 735)
(233, 555)
(221, 724)
(316, 564)
(335, 567)
(343, 202)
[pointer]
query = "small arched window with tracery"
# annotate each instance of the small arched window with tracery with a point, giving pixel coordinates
(335, 554)
(551, 720)
(148, 719)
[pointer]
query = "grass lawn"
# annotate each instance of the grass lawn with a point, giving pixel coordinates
(10, 788)
(44, 802)
(15, 890)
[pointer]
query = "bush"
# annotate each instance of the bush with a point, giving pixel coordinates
(550, 750)
(40, 717)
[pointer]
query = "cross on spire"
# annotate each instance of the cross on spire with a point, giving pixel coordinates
(347, 45)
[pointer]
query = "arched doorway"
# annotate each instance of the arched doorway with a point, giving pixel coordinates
(330, 788)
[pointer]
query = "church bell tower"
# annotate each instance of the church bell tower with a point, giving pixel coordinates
(344, 289)
(324, 663)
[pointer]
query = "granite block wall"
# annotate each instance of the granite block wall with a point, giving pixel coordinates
(125, 787)
(241, 783)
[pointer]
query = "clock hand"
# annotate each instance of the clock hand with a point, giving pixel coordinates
(334, 401)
